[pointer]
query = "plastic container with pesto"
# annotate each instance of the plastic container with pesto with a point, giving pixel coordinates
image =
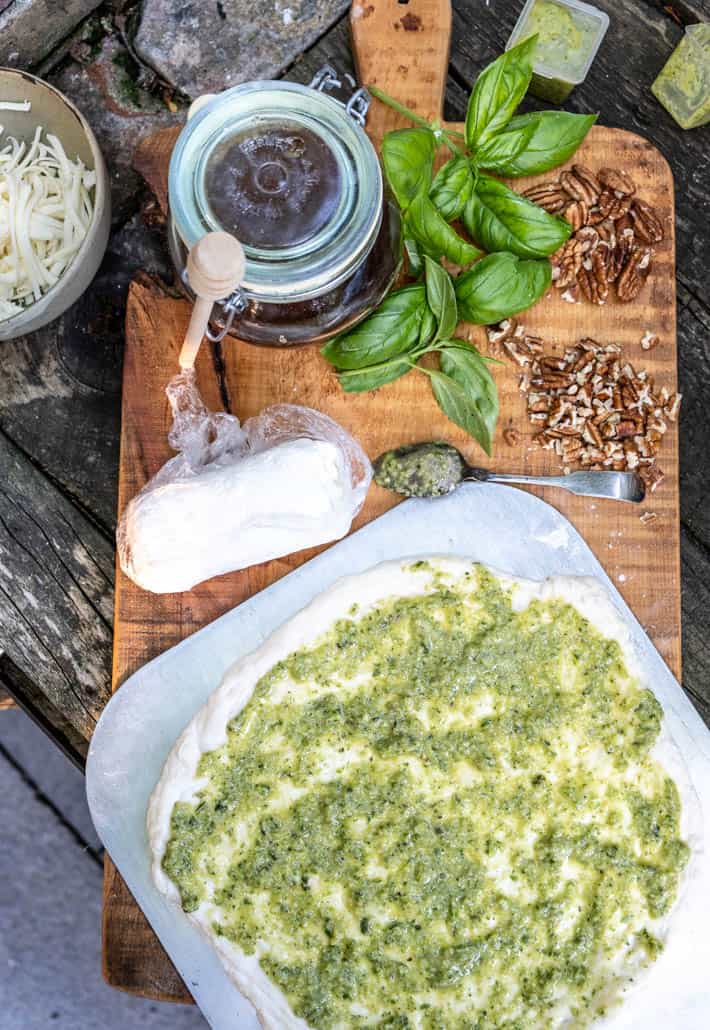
(683, 85)
(291, 173)
(569, 34)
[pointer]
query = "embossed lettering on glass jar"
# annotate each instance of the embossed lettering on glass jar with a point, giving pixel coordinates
(293, 176)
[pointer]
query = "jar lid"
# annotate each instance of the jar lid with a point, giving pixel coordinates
(288, 172)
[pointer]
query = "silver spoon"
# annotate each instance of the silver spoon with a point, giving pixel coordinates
(435, 469)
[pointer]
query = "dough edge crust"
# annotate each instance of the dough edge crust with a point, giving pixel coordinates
(207, 731)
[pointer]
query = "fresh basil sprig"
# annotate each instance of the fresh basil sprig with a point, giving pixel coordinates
(518, 236)
(500, 219)
(462, 385)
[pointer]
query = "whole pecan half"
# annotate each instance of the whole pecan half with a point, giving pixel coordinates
(592, 276)
(625, 242)
(618, 181)
(576, 213)
(634, 273)
(646, 223)
(548, 195)
(569, 258)
(613, 206)
(579, 187)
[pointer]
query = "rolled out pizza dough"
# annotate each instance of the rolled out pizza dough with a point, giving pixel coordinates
(438, 797)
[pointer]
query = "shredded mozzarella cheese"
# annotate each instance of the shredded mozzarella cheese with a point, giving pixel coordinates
(45, 213)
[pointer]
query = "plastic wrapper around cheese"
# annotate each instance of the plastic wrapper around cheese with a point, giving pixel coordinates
(235, 495)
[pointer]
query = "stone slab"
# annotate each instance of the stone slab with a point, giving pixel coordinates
(200, 47)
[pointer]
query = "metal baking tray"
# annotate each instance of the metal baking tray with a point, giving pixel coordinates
(509, 529)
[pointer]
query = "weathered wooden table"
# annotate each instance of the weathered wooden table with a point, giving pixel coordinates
(60, 388)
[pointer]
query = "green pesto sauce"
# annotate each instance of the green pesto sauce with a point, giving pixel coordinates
(409, 823)
(565, 41)
(420, 470)
(683, 85)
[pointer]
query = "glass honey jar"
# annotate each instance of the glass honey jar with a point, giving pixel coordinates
(289, 171)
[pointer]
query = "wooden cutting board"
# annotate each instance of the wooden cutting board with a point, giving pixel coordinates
(404, 50)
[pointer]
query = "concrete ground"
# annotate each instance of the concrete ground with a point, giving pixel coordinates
(50, 900)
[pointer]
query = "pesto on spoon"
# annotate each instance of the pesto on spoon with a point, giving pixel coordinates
(435, 469)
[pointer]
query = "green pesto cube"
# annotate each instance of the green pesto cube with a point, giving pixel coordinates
(569, 34)
(683, 86)
(443, 813)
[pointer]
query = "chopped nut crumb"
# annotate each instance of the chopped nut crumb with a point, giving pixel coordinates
(590, 407)
(511, 436)
(648, 517)
(649, 340)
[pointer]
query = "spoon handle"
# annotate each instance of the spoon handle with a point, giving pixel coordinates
(619, 486)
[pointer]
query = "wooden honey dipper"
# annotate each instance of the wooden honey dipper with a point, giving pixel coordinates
(215, 268)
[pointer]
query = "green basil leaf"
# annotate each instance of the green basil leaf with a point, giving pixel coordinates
(466, 367)
(556, 136)
(435, 236)
(499, 286)
(390, 330)
(362, 379)
(500, 219)
(501, 149)
(408, 159)
(428, 326)
(454, 401)
(498, 90)
(441, 298)
(414, 257)
(452, 187)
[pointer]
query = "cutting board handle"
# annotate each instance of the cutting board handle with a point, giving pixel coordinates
(402, 47)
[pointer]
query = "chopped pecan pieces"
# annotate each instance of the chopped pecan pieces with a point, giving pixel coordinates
(590, 406)
(649, 340)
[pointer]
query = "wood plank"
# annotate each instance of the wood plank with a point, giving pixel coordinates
(409, 61)
(56, 571)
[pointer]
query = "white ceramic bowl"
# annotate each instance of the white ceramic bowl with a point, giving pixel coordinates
(56, 114)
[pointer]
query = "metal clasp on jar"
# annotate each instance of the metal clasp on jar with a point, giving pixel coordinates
(230, 307)
(345, 91)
